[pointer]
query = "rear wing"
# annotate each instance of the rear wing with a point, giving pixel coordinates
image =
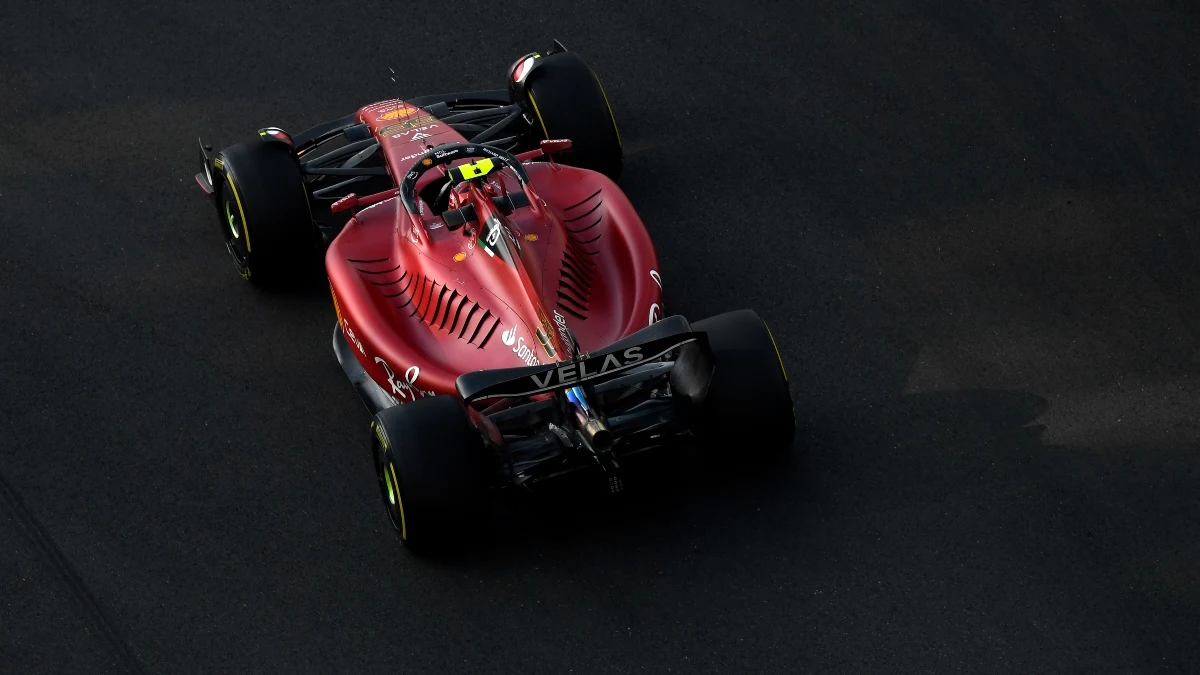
(644, 346)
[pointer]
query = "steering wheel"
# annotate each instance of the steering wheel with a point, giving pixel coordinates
(450, 152)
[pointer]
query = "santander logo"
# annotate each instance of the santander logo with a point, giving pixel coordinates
(522, 350)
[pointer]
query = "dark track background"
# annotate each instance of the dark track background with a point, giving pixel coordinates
(972, 228)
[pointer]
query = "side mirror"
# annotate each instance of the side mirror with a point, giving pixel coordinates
(552, 145)
(345, 203)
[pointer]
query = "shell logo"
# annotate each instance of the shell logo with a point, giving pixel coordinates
(460, 256)
(399, 113)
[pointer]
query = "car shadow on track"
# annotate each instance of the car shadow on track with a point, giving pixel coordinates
(852, 459)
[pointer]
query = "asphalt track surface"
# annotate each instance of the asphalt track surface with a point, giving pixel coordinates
(972, 227)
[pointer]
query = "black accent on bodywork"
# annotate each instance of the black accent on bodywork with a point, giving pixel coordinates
(432, 102)
(372, 395)
(305, 140)
(456, 218)
(345, 150)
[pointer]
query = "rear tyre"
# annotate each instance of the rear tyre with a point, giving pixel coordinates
(429, 460)
(264, 212)
(749, 403)
(569, 102)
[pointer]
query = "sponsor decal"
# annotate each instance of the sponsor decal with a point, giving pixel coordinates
(655, 308)
(412, 156)
(523, 351)
(352, 337)
(420, 137)
(405, 388)
(570, 373)
(563, 333)
(398, 113)
(415, 123)
(412, 174)
(460, 256)
(384, 106)
(531, 237)
(411, 130)
(444, 153)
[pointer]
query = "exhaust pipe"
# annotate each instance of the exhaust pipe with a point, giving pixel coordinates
(594, 431)
(596, 435)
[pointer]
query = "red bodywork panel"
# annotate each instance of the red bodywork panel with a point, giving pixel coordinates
(420, 308)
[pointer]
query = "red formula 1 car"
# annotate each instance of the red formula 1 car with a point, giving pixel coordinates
(498, 299)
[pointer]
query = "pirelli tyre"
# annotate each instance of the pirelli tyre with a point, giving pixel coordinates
(569, 102)
(429, 460)
(748, 409)
(264, 212)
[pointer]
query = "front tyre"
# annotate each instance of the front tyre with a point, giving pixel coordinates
(264, 212)
(569, 102)
(429, 461)
(749, 403)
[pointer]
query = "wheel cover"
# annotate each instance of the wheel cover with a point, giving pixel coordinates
(237, 238)
(231, 219)
(389, 489)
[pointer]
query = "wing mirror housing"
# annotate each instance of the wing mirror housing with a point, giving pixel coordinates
(545, 149)
(345, 203)
(553, 145)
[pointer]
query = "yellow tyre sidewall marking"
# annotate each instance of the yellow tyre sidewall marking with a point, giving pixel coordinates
(611, 116)
(539, 115)
(781, 366)
(777, 354)
(241, 211)
(608, 105)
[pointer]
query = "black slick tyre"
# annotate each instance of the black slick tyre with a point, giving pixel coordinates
(568, 101)
(749, 403)
(264, 212)
(429, 461)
